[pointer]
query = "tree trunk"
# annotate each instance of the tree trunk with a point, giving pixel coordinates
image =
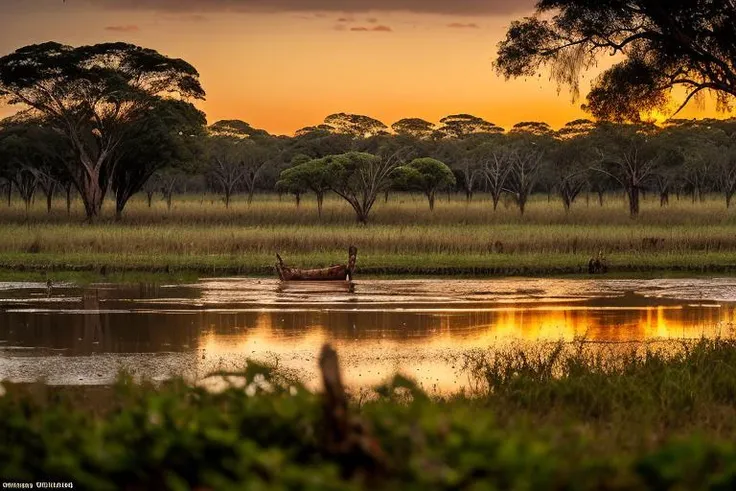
(430, 198)
(468, 195)
(227, 199)
(149, 197)
(385, 196)
(92, 194)
(664, 199)
(298, 197)
(169, 195)
(729, 195)
(10, 192)
(600, 198)
(566, 202)
(320, 202)
(68, 199)
(49, 199)
(495, 199)
(633, 201)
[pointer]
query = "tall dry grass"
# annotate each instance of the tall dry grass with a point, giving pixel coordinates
(200, 225)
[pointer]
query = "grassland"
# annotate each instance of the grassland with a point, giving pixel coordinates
(199, 236)
(562, 418)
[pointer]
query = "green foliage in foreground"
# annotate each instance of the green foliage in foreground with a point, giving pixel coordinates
(550, 420)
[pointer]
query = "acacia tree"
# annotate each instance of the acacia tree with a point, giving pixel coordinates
(629, 156)
(414, 127)
(570, 161)
(495, 168)
(463, 125)
(356, 125)
(427, 175)
(93, 95)
(169, 138)
(664, 44)
(226, 169)
(726, 172)
(359, 177)
(313, 175)
(525, 156)
(33, 155)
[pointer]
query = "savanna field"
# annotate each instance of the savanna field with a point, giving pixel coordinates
(199, 235)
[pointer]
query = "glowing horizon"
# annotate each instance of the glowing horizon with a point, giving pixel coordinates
(284, 69)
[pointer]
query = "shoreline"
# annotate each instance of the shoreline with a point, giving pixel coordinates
(22, 266)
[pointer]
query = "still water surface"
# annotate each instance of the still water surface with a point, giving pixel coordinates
(85, 335)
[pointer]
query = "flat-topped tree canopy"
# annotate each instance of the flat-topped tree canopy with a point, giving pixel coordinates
(464, 125)
(414, 127)
(356, 124)
(236, 128)
(94, 95)
(532, 127)
(665, 44)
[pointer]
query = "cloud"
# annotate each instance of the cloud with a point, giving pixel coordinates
(461, 25)
(346, 19)
(128, 28)
(372, 29)
(456, 7)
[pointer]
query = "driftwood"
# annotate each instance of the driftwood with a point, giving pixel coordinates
(341, 272)
(346, 437)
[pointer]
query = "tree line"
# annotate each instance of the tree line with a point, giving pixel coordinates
(117, 119)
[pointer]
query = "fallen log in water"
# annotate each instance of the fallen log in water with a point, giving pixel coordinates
(341, 272)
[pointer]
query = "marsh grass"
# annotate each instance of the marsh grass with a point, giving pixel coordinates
(199, 233)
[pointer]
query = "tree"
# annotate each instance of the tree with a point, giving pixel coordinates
(356, 125)
(238, 154)
(464, 125)
(359, 177)
(570, 162)
(168, 138)
(525, 156)
(33, 156)
(686, 44)
(496, 165)
(93, 95)
(726, 172)
(427, 175)
(629, 156)
(532, 128)
(313, 175)
(414, 127)
(237, 129)
(702, 148)
(318, 142)
(576, 128)
(670, 164)
(227, 167)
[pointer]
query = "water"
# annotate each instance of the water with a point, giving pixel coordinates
(84, 336)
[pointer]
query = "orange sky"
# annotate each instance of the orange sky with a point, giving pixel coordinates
(283, 70)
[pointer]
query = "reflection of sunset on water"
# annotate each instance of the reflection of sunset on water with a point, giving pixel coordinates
(427, 346)
(419, 327)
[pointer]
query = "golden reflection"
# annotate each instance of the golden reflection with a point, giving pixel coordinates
(427, 345)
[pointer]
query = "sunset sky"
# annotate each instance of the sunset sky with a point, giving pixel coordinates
(285, 64)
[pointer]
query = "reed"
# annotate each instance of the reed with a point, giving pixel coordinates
(199, 232)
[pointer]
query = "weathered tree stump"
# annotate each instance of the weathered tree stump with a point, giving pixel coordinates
(346, 437)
